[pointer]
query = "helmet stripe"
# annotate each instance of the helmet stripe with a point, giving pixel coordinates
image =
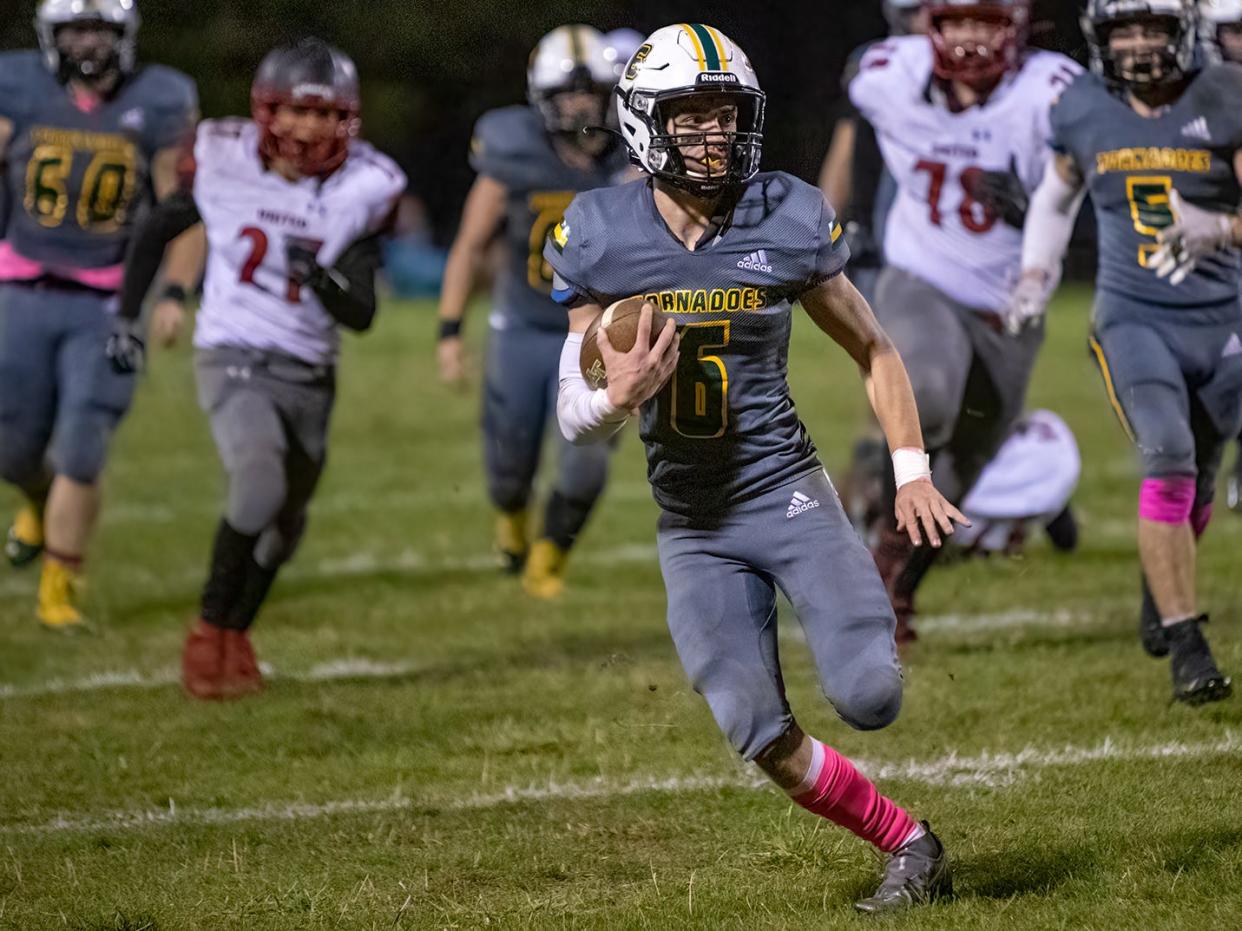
(708, 46)
(718, 39)
(698, 46)
(575, 44)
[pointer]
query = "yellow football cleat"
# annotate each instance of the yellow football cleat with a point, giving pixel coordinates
(511, 540)
(545, 570)
(60, 589)
(25, 541)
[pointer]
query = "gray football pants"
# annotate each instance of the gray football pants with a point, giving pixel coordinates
(269, 417)
(60, 400)
(519, 397)
(1174, 378)
(969, 376)
(722, 575)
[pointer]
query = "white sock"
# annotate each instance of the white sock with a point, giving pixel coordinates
(1170, 621)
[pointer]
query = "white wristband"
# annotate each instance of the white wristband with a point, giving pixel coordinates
(910, 465)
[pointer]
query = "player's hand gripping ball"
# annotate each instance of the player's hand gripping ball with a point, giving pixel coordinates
(631, 351)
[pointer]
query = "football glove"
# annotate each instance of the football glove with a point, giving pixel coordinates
(302, 265)
(1028, 300)
(125, 348)
(1003, 193)
(1194, 233)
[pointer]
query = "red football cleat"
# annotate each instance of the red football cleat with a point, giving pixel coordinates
(241, 674)
(891, 554)
(202, 661)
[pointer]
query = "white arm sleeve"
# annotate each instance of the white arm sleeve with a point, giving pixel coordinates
(585, 415)
(1050, 223)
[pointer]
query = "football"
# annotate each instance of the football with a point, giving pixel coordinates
(621, 320)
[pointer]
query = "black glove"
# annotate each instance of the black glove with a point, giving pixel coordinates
(301, 260)
(126, 350)
(864, 253)
(1003, 193)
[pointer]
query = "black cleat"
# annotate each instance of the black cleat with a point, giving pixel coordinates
(1196, 680)
(916, 874)
(1155, 638)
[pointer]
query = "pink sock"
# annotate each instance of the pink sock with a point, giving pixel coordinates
(834, 789)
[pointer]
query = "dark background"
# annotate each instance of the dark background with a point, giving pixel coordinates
(429, 69)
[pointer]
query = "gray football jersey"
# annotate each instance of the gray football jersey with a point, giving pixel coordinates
(1131, 163)
(724, 429)
(511, 146)
(76, 178)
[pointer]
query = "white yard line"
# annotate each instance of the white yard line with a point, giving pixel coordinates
(346, 668)
(334, 670)
(991, 769)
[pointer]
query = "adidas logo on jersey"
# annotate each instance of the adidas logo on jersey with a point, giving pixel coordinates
(1233, 347)
(756, 261)
(800, 504)
(1198, 129)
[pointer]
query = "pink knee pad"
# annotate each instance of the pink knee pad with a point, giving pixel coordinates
(1167, 500)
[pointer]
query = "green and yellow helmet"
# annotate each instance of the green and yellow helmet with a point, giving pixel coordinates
(682, 61)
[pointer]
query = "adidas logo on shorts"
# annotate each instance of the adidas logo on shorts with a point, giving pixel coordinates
(800, 504)
(756, 261)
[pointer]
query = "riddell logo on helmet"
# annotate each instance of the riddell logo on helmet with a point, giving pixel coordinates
(716, 77)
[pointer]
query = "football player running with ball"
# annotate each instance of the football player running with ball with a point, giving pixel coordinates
(962, 119)
(747, 508)
(292, 203)
(1156, 142)
(531, 161)
(86, 135)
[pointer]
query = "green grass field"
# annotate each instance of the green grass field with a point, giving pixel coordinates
(437, 751)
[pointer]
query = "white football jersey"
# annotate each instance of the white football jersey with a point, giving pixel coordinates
(935, 229)
(251, 214)
(1033, 475)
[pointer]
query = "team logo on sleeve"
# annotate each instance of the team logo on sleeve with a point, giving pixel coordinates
(560, 236)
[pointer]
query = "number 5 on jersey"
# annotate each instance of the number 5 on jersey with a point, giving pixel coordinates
(1149, 208)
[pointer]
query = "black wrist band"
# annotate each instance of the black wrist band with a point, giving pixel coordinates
(174, 292)
(450, 329)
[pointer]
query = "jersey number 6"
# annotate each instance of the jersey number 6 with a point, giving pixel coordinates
(699, 408)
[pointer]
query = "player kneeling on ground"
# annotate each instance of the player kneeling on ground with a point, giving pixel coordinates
(746, 505)
(292, 203)
(1158, 144)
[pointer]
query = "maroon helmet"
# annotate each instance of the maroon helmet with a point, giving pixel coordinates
(309, 73)
(978, 65)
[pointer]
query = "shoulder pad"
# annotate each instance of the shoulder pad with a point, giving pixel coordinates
(217, 142)
(894, 68)
(21, 73)
(1219, 88)
(503, 135)
(377, 176)
(167, 87)
(1076, 101)
(1051, 69)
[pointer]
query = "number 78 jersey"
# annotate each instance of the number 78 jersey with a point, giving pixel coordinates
(936, 229)
(252, 215)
